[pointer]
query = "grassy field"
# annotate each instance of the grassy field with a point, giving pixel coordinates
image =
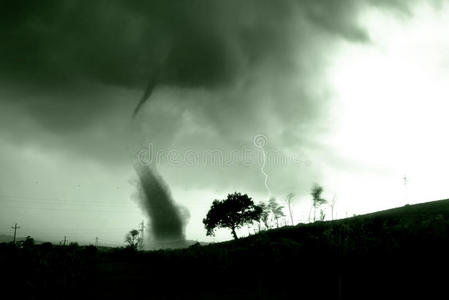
(394, 253)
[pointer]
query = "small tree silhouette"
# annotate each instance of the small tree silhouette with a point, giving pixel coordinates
(265, 215)
(233, 212)
(132, 238)
(27, 243)
(322, 215)
(317, 201)
(276, 210)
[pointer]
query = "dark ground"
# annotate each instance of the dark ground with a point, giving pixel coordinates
(397, 253)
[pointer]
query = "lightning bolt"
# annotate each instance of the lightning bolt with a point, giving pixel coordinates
(260, 141)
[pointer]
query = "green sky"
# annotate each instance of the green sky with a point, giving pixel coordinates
(329, 84)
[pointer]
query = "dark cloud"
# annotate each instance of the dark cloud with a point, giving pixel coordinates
(198, 43)
(206, 44)
(74, 71)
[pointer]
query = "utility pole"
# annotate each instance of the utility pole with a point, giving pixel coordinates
(65, 240)
(405, 188)
(142, 230)
(15, 227)
(96, 241)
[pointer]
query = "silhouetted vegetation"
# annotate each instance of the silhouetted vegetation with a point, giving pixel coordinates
(276, 210)
(132, 238)
(46, 271)
(390, 254)
(317, 201)
(233, 212)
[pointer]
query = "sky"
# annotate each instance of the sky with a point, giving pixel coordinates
(348, 94)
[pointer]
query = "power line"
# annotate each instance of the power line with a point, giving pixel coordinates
(70, 202)
(51, 200)
(28, 197)
(87, 209)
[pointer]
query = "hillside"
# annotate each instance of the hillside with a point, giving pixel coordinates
(420, 209)
(394, 253)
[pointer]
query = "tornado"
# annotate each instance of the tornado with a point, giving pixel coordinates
(166, 222)
(148, 91)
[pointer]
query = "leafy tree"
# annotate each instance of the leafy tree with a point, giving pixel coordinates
(265, 215)
(317, 201)
(233, 212)
(276, 210)
(27, 243)
(132, 238)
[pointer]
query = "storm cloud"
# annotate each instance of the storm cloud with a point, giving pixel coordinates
(68, 46)
(217, 72)
(195, 43)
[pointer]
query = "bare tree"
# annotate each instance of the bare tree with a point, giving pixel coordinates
(322, 215)
(290, 196)
(332, 205)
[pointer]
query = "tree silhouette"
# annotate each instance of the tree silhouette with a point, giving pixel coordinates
(27, 243)
(265, 215)
(332, 205)
(276, 210)
(317, 201)
(233, 212)
(132, 238)
(322, 215)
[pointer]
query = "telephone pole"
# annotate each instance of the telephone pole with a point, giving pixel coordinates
(141, 230)
(405, 189)
(96, 241)
(15, 227)
(65, 240)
